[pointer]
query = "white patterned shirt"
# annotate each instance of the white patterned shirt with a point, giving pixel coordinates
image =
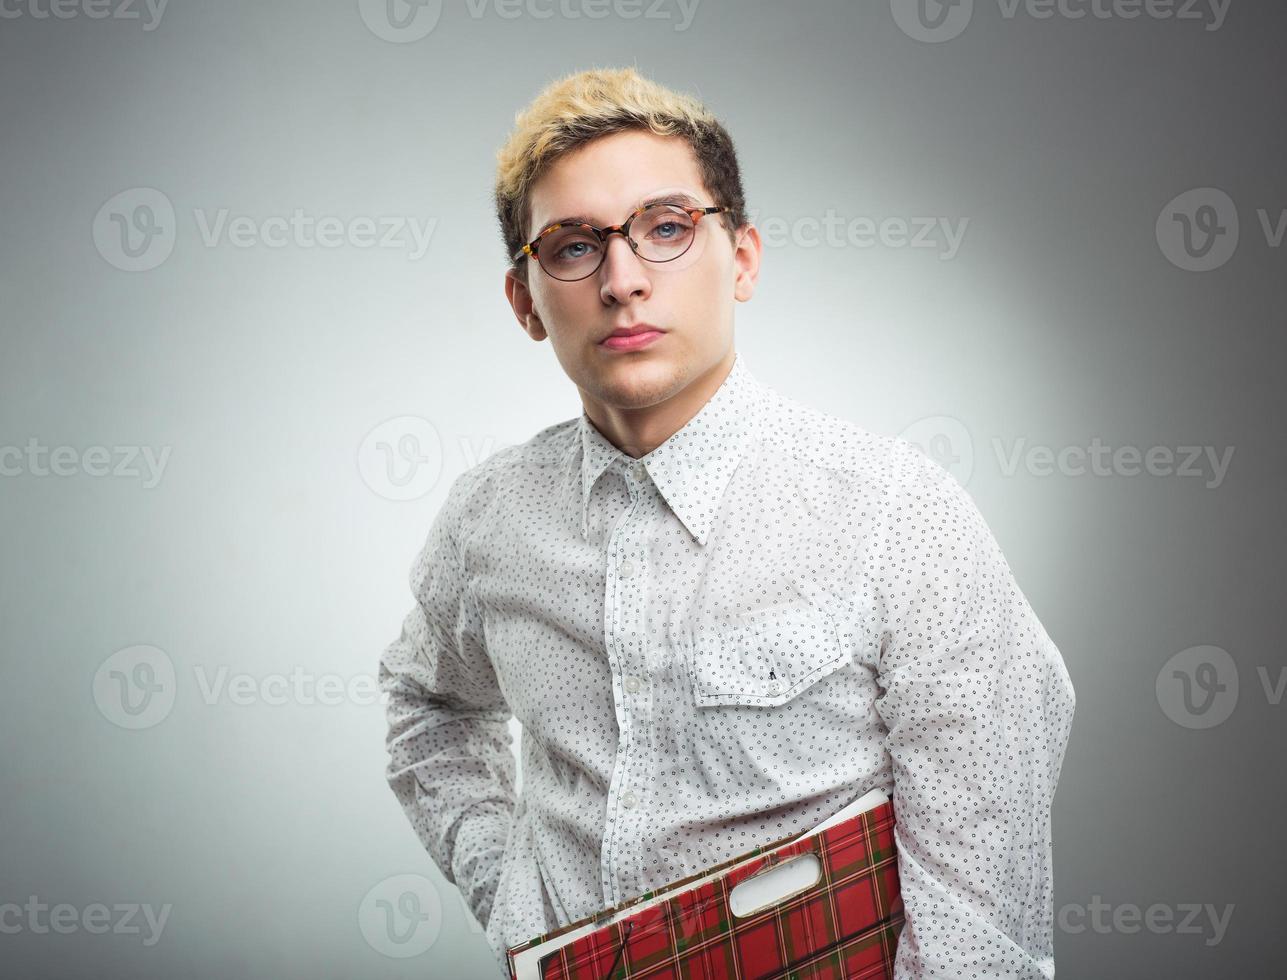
(714, 646)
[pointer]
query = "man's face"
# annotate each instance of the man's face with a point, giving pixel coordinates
(690, 300)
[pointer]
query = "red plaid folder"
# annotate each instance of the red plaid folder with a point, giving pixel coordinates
(844, 926)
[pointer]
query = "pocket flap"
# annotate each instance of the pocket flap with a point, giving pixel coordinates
(766, 658)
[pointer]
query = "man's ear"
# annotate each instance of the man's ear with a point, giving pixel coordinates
(746, 262)
(520, 300)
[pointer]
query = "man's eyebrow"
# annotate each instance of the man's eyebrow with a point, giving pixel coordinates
(677, 197)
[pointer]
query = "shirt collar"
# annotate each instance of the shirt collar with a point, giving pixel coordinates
(691, 468)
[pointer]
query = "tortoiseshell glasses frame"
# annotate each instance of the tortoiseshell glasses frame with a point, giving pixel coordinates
(532, 248)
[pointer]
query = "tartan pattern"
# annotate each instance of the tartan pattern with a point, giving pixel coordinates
(844, 927)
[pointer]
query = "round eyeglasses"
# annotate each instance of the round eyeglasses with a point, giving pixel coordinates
(659, 232)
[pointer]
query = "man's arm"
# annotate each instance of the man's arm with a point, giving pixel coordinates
(450, 762)
(978, 706)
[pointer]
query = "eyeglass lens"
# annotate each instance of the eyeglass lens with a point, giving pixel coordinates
(660, 232)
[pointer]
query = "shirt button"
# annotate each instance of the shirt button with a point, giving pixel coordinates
(626, 568)
(629, 799)
(773, 687)
(632, 683)
(639, 471)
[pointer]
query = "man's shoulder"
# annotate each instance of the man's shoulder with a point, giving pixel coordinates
(545, 451)
(549, 446)
(884, 463)
(825, 441)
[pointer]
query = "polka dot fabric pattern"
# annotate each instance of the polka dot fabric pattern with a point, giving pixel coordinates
(713, 646)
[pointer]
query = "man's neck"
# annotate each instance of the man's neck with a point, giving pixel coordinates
(638, 431)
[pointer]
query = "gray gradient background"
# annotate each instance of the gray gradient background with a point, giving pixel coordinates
(264, 550)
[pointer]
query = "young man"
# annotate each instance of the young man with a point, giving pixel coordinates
(719, 615)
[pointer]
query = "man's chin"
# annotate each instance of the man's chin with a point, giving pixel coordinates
(635, 382)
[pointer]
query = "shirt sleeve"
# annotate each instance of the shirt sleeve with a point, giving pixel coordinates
(450, 760)
(978, 706)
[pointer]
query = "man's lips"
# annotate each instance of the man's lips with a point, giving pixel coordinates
(632, 338)
(634, 328)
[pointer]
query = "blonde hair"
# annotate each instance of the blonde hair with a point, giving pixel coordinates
(573, 110)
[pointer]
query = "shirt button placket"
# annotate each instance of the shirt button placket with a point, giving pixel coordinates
(627, 618)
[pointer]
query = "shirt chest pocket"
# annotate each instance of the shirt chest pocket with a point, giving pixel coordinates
(766, 658)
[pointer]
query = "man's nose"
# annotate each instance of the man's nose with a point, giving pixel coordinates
(623, 271)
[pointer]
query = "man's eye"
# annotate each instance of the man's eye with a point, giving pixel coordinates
(670, 231)
(571, 251)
